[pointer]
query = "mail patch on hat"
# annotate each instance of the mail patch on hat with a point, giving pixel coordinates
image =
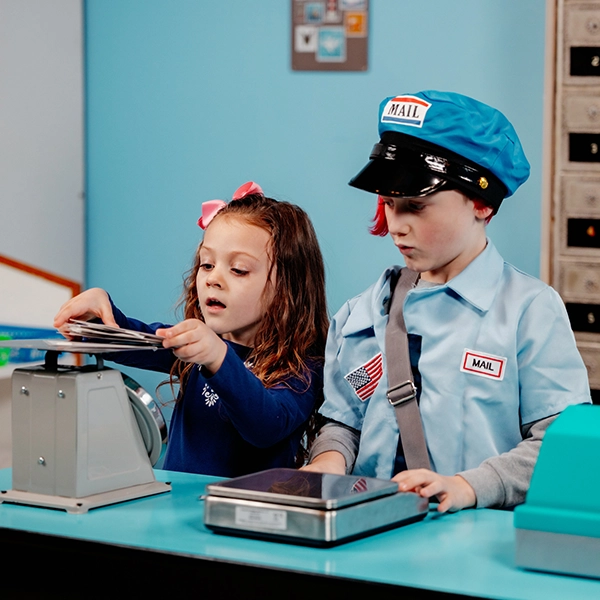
(364, 380)
(405, 110)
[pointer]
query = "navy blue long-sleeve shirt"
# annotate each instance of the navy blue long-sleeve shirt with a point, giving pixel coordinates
(228, 424)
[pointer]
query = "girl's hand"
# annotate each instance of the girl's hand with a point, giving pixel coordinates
(453, 492)
(88, 305)
(193, 341)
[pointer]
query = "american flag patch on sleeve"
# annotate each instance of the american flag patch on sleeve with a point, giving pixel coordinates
(364, 380)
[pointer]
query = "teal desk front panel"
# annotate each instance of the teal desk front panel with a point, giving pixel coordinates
(468, 553)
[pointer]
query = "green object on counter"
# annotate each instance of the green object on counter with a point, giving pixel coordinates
(4, 352)
(561, 514)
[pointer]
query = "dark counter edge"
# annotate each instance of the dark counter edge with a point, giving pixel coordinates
(39, 565)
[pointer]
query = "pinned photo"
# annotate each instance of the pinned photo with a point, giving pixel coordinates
(306, 38)
(353, 4)
(314, 12)
(356, 24)
(332, 45)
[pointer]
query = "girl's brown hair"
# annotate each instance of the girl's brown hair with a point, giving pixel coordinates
(291, 337)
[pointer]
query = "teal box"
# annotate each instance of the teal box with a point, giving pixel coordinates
(558, 527)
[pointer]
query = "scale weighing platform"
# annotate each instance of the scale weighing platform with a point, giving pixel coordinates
(82, 437)
(302, 507)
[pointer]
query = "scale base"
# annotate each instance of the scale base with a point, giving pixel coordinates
(557, 552)
(82, 505)
(309, 526)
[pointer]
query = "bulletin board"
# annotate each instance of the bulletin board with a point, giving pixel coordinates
(30, 297)
(330, 35)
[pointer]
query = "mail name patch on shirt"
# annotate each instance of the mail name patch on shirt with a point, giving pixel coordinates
(483, 364)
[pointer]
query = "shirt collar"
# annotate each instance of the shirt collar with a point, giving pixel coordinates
(478, 282)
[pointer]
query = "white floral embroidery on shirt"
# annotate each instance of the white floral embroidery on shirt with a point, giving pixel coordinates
(210, 397)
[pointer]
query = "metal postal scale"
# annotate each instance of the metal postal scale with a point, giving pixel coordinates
(558, 526)
(82, 437)
(302, 507)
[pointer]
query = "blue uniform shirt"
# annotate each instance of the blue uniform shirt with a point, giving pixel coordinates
(497, 352)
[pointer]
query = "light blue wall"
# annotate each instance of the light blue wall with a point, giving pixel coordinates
(187, 99)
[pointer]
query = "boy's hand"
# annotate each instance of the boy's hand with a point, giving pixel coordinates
(193, 341)
(453, 492)
(327, 462)
(88, 305)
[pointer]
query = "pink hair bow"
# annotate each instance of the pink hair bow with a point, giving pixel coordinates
(210, 208)
(250, 187)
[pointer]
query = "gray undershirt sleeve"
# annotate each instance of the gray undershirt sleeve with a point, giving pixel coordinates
(503, 480)
(339, 437)
(499, 481)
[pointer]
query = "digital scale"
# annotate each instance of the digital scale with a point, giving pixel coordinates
(302, 507)
(82, 437)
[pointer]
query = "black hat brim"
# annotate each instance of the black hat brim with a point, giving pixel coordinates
(388, 178)
(404, 166)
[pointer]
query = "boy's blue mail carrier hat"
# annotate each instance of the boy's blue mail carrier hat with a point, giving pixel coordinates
(441, 140)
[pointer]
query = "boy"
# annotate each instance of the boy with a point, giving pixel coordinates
(491, 350)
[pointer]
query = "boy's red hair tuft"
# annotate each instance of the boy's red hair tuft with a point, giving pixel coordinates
(380, 226)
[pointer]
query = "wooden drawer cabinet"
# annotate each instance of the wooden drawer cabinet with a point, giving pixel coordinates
(575, 174)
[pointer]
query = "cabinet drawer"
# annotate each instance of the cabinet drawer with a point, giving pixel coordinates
(584, 318)
(583, 233)
(584, 147)
(580, 280)
(582, 25)
(591, 359)
(582, 112)
(584, 61)
(581, 195)
(581, 150)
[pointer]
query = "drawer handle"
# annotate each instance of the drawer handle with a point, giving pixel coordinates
(592, 112)
(591, 199)
(590, 284)
(592, 26)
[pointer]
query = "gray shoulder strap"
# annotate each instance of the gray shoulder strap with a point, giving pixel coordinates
(402, 394)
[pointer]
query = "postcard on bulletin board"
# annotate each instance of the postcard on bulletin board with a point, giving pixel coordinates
(330, 35)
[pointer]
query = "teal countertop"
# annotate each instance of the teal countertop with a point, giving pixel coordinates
(470, 552)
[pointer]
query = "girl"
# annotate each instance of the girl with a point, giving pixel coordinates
(248, 356)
